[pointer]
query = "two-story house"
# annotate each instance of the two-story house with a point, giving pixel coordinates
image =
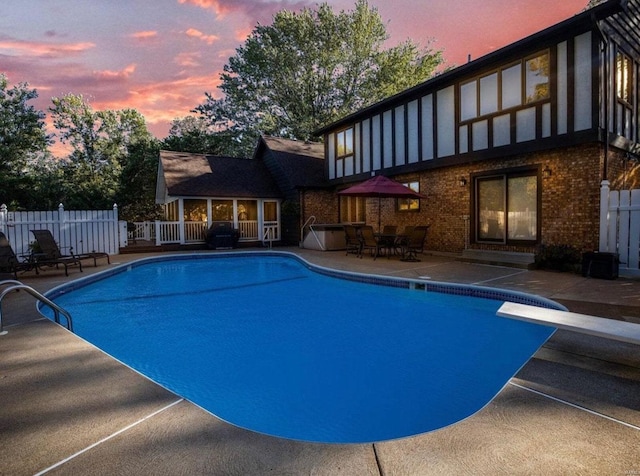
(511, 149)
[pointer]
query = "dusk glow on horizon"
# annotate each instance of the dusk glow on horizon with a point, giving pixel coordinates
(161, 57)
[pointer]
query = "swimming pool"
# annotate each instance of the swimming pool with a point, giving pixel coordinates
(268, 342)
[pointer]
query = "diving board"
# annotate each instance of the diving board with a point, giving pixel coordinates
(596, 326)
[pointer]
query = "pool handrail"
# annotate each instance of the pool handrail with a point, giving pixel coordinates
(13, 285)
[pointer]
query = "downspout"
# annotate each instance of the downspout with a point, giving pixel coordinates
(605, 98)
(603, 244)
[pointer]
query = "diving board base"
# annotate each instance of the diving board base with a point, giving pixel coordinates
(596, 326)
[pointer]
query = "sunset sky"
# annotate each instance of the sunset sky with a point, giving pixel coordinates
(160, 56)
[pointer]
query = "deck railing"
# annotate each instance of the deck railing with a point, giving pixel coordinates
(165, 232)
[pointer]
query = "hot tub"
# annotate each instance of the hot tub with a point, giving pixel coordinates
(326, 237)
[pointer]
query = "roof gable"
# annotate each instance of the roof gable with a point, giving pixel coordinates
(294, 164)
(199, 175)
(584, 21)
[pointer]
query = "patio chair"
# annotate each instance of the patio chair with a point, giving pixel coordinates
(353, 242)
(414, 243)
(50, 250)
(48, 253)
(407, 230)
(9, 262)
(388, 238)
(369, 241)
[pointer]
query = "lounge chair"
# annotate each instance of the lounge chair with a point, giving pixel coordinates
(9, 262)
(370, 242)
(353, 242)
(50, 250)
(414, 243)
(48, 253)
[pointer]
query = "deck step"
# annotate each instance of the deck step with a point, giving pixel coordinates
(499, 258)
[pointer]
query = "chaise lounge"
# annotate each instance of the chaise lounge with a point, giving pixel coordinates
(50, 251)
(9, 262)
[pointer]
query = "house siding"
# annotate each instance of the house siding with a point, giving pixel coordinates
(546, 103)
(437, 124)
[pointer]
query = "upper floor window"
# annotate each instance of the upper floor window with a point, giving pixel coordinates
(624, 77)
(344, 143)
(537, 78)
(410, 204)
(627, 115)
(511, 86)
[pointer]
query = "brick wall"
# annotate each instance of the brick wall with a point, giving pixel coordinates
(570, 199)
(323, 204)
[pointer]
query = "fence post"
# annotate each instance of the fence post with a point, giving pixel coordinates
(122, 234)
(115, 225)
(604, 216)
(63, 239)
(3, 218)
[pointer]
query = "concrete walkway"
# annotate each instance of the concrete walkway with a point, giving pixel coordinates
(68, 408)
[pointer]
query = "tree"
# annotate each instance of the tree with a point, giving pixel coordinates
(23, 140)
(100, 143)
(310, 68)
(593, 3)
(195, 134)
(137, 185)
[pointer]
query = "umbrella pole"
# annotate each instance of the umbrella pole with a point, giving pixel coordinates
(379, 214)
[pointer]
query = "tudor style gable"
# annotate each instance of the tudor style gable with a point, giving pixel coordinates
(543, 92)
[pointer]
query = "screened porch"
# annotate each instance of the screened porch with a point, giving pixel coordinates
(187, 219)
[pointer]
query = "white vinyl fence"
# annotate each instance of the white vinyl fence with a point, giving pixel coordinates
(82, 231)
(620, 226)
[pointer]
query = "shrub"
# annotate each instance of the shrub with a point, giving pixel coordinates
(558, 257)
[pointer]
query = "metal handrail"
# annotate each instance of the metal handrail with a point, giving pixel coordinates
(267, 236)
(312, 217)
(13, 285)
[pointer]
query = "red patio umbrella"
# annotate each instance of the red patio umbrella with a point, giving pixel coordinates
(381, 187)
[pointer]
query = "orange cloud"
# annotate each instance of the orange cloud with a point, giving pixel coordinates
(144, 35)
(39, 49)
(253, 8)
(243, 33)
(107, 75)
(209, 39)
(219, 8)
(162, 101)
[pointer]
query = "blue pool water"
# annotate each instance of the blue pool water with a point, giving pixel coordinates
(267, 344)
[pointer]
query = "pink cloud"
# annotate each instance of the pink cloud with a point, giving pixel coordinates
(107, 75)
(144, 35)
(242, 33)
(218, 7)
(208, 39)
(161, 102)
(43, 50)
(261, 10)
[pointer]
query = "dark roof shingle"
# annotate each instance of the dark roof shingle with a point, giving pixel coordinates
(302, 163)
(199, 175)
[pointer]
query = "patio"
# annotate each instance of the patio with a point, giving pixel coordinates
(573, 408)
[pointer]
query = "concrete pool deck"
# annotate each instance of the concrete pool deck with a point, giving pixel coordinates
(574, 408)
